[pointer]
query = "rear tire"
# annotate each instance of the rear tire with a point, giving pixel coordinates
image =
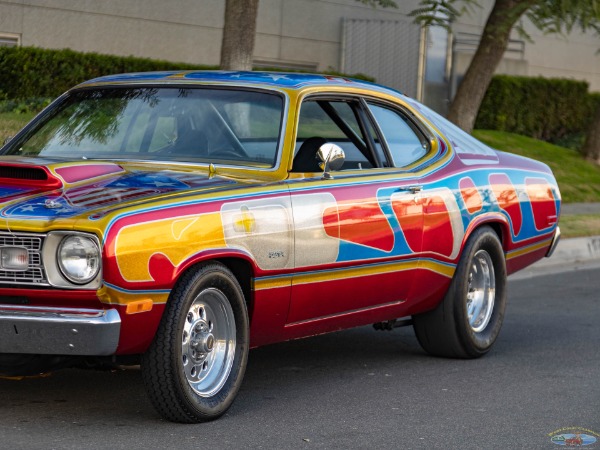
(195, 365)
(468, 320)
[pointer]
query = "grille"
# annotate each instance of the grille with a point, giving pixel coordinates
(35, 274)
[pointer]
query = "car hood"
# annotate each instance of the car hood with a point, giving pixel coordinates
(47, 190)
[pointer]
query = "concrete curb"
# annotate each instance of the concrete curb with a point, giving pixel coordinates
(570, 254)
(574, 250)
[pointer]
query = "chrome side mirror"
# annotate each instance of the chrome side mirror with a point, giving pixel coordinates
(332, 157)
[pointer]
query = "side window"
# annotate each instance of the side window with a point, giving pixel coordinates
(405, 142)
(334, 122)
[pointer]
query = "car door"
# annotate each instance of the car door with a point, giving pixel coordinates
(358, 235)
(442, 227)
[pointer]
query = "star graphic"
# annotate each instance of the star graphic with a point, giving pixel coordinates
(275, 77)
(27, 208)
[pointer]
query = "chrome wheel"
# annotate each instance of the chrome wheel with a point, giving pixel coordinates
(195, 365)
(467, 321)
(481, 291)
(208, 342)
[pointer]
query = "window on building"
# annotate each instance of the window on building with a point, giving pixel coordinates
(10, 40)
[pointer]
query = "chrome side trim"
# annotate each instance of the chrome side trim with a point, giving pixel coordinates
(58, 331)
(554, 243)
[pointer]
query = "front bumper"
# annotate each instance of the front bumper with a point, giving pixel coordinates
(58, 331)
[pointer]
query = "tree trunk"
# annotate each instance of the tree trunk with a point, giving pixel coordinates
(494, 40)
(591, 147)
(239, 30)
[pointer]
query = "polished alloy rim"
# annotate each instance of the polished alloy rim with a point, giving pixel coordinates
(208, 342)
(481, 291)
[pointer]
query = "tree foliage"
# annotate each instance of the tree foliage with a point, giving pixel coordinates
(549, 16)
(441, 12)
(561, 16)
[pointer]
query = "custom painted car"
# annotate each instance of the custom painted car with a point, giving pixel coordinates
(180, 219)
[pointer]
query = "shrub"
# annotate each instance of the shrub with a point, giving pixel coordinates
(542, 108)
(30, 73)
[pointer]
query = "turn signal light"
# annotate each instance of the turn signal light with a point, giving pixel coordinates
(14, 258)
(139, 306)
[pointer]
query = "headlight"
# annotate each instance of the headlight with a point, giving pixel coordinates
(78, 259)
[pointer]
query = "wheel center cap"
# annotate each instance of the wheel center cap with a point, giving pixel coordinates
(209, 342)
(204, 343)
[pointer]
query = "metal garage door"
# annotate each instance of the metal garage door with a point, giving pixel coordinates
(389, 50)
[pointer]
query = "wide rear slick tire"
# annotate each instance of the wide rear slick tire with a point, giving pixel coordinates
(195, 365)
(468, 320)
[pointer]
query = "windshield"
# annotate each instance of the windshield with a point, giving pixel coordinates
(237, 127)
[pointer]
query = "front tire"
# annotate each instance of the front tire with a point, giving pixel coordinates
(195, 365)
(468, 320)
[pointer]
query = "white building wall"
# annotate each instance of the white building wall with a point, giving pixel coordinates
(297, 33)
(553, 56)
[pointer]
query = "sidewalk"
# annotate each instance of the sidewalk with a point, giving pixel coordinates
(576, 251)
(570, 254)
(572, 209)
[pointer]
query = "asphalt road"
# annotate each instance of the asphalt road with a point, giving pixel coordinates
(355, 389)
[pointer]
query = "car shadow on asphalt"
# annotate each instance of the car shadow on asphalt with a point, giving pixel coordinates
(78, 396)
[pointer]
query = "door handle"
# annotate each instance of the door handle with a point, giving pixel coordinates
(412, 189)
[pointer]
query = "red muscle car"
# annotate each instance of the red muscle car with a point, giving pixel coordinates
(181, 218)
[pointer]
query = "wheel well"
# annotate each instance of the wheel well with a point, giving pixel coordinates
(497, 229)
(242, 270)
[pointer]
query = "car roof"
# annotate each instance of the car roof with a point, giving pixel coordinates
(285, 80)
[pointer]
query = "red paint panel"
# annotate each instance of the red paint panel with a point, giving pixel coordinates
(349, 294)
(161, 269)
(429, 289)
(437, 227)
(59, 298)
(268, 315)
(520, 262)
(410, 216)
(507, 199)
(73, 174)
(470, 195)
(363, 224)
(138, 330)
(542, 201)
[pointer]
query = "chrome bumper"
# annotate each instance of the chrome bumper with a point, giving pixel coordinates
(554, 243)
(58, 331)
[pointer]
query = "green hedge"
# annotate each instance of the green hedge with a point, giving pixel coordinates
(543, 108)
(33, 73)
(28, 72)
